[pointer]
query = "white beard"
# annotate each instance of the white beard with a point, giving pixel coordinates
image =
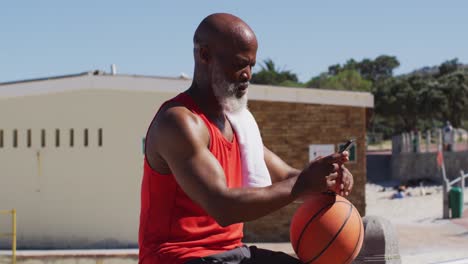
(225, 92)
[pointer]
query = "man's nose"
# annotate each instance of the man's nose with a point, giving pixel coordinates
(246, 74)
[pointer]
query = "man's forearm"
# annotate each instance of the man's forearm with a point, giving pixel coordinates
(292, 173)
(246, 204)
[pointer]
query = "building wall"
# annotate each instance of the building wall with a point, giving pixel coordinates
(89, 196)
(288, 129)
(74, 197)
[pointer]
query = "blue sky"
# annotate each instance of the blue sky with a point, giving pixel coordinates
(47, 38)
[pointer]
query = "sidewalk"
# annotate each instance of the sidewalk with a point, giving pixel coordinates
(423, 236)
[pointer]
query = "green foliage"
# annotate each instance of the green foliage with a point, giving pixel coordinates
(347, 79)
(454, 86)
(448, 67)
(405, 104)
(269, 74)
(421, 100)
(374, 70)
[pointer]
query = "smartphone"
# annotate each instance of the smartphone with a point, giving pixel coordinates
(347, 146)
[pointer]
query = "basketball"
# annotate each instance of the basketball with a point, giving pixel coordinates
(326, 229)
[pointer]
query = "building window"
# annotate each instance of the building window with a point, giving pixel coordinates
(72, 137)
(1, 138)
(57, 137)
(85, 134)
(15, 138)
(43, 138)
(28, 138)
(100, 137)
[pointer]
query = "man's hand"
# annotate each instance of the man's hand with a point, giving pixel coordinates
(344, 182)
(321, 175)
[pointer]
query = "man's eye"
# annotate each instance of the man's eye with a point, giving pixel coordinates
(242, 64)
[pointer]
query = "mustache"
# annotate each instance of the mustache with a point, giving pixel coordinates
(242, 84)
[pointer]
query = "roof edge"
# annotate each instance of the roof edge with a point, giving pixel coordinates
(90, 73)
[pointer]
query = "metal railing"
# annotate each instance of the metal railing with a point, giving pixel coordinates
(12, 234)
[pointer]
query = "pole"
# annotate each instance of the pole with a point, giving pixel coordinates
(462, 185)
(445, 191)
(428, 140)
(13, 242)
(445, 187)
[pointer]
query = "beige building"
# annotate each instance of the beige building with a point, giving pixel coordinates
(71, 149)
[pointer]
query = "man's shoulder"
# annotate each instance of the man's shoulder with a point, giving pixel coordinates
(177, 123)
(175, 114)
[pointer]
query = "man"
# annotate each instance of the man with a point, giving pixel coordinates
(193, 205)
(449, 136)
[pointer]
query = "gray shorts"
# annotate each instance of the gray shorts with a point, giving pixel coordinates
(247, 255)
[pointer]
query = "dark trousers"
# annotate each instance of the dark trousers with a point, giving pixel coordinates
(247, 255)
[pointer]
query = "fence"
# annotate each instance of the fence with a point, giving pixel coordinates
(427, 141)
(12, 234)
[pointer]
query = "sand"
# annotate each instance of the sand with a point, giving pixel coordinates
(424, 237)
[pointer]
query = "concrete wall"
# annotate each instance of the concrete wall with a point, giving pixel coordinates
(379, 167)
(288, 129)
(416, 166)
(75, 197)
(89, 196)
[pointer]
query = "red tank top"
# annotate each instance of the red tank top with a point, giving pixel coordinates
(173, 228)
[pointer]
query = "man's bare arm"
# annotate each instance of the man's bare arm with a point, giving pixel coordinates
(278, 169)
(182, 140)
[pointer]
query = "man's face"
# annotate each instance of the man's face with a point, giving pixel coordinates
(230, 78)
(230, 94)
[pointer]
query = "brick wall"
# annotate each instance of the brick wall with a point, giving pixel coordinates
(288, 129)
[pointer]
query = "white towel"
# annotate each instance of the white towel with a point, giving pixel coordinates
(254, 170)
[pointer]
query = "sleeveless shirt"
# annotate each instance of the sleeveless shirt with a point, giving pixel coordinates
(175, 229)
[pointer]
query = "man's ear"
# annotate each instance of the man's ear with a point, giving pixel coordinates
(204, 54)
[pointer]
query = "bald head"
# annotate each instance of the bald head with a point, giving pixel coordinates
(221, 30)
(225, 50)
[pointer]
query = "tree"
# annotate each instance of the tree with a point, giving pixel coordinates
(349, 80)
(395, 100)
(429, 98)
(448, 67)
(407, 103)
(455, 88)
(374, 70)
(269, 74)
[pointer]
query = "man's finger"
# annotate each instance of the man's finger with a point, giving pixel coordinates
(330, 184)
(333, 158)
(349, 181)
(345, 157)
(332, 176)
(334, 167)
(351, 184)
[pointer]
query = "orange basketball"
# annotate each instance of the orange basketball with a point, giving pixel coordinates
(326, 229)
